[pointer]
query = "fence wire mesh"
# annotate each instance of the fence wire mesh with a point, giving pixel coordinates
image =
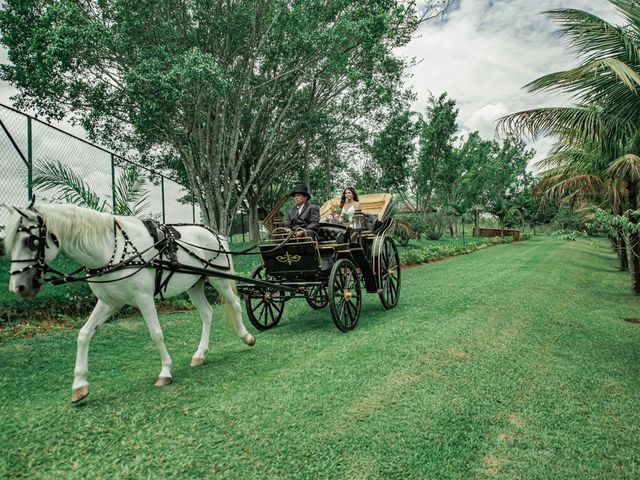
(27, 144)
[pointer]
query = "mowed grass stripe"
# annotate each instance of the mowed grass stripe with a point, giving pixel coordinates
(511, 362)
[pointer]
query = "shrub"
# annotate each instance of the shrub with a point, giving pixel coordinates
(435, 224)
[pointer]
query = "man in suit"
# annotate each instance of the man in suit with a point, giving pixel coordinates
(304, 217)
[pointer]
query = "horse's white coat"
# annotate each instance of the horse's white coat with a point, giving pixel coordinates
(87, 237)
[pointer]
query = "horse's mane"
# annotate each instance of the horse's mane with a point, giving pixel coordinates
(77, 228)
(11, 231)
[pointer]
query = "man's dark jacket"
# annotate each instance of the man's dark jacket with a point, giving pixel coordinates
(308, 219)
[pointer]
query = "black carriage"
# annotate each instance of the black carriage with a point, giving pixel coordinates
(333, 270)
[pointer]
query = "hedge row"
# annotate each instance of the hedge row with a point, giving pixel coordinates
(432, 253)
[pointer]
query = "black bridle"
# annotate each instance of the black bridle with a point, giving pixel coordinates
(37, 243)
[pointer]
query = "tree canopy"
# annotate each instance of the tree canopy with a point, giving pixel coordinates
(236, 90)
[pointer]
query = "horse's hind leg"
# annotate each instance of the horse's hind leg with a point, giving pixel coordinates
(199, 300)
(148, 310)
(232, 308)
(99, 315)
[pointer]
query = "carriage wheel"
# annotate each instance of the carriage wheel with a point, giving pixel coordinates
(317, 297)
(345, 294)
(389, 274)
(265, 309)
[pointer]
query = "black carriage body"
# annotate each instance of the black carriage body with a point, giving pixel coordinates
(330, 270)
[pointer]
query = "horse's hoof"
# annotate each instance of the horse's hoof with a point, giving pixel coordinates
(196, 361)
(79, 393)
(252, 341)
(163, 381)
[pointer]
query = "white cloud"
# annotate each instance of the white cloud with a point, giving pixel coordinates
(484, 51)
(484, 119)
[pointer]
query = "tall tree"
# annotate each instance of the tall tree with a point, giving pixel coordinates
(436, 137)
(222, 85)
(393, 150)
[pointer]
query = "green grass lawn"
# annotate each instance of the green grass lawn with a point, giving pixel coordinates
(512, 362)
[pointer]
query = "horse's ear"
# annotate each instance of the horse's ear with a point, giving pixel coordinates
(33, 200)
(21, 212)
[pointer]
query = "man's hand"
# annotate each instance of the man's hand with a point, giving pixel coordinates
(300, 232)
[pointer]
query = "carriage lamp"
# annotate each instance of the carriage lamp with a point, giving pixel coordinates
(358, 220)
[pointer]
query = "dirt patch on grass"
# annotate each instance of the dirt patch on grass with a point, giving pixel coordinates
(506, 437)
(632, 320)
(492, 463)
(458, 354)
(517, 421)
(380, 396)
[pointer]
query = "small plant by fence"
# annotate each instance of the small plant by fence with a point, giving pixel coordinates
(25, 141)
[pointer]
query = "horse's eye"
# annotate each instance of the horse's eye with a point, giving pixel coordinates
(32, 243)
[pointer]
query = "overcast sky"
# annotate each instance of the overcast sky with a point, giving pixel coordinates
(482, 52)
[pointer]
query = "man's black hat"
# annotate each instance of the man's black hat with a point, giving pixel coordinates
(301, 188)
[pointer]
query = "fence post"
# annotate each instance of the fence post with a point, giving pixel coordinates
(162, 189)
(113, 184)
(242, 222)
(29, 161)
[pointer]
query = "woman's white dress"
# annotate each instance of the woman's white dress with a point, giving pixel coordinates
(349, 211)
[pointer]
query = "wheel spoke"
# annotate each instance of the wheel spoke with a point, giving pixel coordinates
(253, 309)
(352, 311)
(270, 313)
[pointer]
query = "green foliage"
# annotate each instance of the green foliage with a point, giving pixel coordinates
(392, 152)
(131, 194)
(435, 223)
(570, 235)
(436, 137)
(229, 94)
(434, 252)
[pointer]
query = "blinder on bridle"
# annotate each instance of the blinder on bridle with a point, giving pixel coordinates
(37, 243)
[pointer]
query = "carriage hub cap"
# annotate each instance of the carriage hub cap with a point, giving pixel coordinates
(347, 295)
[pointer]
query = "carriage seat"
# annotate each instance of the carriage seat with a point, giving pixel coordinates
(329, 233)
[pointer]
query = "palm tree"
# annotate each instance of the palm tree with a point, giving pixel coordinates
(575, 173)
(460, 209)
(605, 84)
(499, 207)
(131, 194)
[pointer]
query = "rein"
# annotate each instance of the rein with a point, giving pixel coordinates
(168, 244)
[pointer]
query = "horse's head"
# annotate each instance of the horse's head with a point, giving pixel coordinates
(31, 246)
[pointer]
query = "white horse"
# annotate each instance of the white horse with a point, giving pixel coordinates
(102, 243)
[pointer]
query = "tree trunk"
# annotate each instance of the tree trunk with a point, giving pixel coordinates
(621, 250)
(464, 243)
(476, 224)
(254, 225)
(614, 243)
(634, 238)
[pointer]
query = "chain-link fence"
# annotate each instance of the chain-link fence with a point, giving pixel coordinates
(25, 142)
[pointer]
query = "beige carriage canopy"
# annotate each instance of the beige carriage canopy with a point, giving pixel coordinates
(372, 204)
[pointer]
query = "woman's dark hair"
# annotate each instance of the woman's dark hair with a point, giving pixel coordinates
(344, 199)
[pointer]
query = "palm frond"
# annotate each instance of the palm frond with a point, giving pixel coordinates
(593, 38)
(53, 175)
(131, 194)
(627, 168)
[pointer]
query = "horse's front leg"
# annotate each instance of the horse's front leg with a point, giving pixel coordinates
(148, 310)
(99, 315)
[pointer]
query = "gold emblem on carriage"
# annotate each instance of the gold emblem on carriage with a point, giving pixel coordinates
(290, 259)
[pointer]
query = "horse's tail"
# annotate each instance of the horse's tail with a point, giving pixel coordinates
(228, 313)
